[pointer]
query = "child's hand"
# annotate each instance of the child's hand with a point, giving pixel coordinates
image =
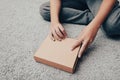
(57, 32)
(85, 38)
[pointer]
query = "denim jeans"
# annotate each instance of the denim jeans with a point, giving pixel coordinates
(83, 12)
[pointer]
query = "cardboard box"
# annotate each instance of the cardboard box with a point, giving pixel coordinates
(58, 54)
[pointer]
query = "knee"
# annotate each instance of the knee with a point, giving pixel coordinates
(45, 11)
(111, 27)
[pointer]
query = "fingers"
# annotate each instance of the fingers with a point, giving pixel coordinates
(83, 47)
(62, 30)
(51, 36)
(58, 32)
(77, 43)
(56, 37)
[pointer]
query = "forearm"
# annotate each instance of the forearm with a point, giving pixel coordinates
(54, 10)
(104, 10)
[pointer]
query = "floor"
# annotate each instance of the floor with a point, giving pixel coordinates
(22, 30)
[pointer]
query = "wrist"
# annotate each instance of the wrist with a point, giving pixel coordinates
(94, 24)
(93, 27)
(55, 19)
(53, 22)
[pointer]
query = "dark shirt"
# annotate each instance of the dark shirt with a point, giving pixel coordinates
(77, 4)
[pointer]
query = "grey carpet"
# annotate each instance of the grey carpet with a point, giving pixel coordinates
(22, 30)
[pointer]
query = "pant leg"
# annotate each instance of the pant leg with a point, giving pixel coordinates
(69, 13)
(111, 25)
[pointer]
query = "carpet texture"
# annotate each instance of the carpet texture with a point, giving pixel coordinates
(22, 30)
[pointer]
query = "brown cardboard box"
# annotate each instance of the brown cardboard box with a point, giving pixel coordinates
(58, 54)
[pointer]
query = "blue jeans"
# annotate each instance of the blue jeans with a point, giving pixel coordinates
(82, 12)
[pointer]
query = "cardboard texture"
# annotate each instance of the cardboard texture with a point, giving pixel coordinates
(58, 54)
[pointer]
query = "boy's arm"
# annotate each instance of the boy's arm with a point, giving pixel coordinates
(104, 10)
(88, 34)
(57, 31)
(55, 6)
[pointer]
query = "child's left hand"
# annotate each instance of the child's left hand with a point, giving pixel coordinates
(85, 38)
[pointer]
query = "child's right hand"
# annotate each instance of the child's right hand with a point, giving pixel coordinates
(57, 32)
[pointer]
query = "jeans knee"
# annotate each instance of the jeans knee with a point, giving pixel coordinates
(112, 27)
(45, 12)
(112, 24)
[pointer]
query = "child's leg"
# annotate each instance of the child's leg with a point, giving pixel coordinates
(112, 23)
(69, 13)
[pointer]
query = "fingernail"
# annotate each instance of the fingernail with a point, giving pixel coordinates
(53, 39)
(79, 56)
